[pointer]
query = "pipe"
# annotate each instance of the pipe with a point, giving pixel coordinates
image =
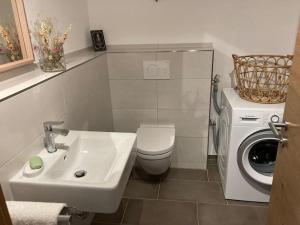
(216, 134)
(218, 109)
(215, 84)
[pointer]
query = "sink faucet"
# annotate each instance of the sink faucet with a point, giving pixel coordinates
(50, 132)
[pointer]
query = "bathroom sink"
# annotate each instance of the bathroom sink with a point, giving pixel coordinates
(91, 175)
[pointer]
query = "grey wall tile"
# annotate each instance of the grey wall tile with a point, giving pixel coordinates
(130, 120)
(182, 100)
(20, 124)
(76, 94)
(127, 65)
(100, 109)
(87, 97)
(190, 153)
(133, 94)
(189, 64)
(183, 93)
(50, 99)
(188, 123)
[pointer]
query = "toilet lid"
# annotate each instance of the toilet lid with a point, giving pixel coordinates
(154, 140)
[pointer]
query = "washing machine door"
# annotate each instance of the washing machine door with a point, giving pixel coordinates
(257, 156)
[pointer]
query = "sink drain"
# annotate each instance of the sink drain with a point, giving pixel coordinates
(80, 173)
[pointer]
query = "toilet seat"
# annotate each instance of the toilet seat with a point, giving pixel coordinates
(154, 157)
(155, 141)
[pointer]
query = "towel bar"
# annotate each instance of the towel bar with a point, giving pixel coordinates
(67, 213)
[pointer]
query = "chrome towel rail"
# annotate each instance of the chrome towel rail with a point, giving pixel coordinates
(68, 213)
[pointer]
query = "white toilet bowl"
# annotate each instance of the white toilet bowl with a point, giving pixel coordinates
(155, 144)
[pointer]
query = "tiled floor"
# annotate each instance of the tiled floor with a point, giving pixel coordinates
(184, 197)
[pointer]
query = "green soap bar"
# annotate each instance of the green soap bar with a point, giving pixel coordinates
(36, 162)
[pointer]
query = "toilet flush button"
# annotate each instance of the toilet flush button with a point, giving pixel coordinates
(156, 69)
(275, 119)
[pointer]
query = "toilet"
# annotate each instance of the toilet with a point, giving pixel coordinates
(155, 145)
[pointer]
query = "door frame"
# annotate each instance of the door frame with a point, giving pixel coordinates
(4, 214)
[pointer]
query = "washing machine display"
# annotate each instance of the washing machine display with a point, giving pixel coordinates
(257, 156)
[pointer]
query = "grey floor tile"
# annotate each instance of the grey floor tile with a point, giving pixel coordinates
(114, 218)
(205, 192)
(134, 175)
(262, 213)
(216, 214)
(141, 189)
(157, 212)
(213, 173)
(212, 160)
(187, 174)
(233, 202)
(105, 223)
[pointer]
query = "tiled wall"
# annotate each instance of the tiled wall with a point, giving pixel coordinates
(182, 100)
(80, 97)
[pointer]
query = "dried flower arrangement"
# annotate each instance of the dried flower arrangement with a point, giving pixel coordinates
(50, 45)
(9, 43)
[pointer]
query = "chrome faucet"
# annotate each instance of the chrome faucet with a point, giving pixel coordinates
(50, 132)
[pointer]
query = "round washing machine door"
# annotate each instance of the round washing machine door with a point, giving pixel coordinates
(257, 156)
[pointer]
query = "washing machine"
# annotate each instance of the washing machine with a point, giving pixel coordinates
(247, 147)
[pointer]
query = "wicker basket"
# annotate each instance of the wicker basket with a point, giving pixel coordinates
(262, 78)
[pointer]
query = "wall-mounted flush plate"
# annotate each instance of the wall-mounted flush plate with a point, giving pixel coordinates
(156, 69)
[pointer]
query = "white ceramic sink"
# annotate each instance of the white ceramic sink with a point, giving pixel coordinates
(107, 159)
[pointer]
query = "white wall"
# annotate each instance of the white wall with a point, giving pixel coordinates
(234, 26)
(66, 12)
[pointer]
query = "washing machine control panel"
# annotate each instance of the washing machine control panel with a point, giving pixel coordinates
(256, 118)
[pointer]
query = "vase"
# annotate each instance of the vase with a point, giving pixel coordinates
(52, 60)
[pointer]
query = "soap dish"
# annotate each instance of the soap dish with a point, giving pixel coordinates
(28, 172)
